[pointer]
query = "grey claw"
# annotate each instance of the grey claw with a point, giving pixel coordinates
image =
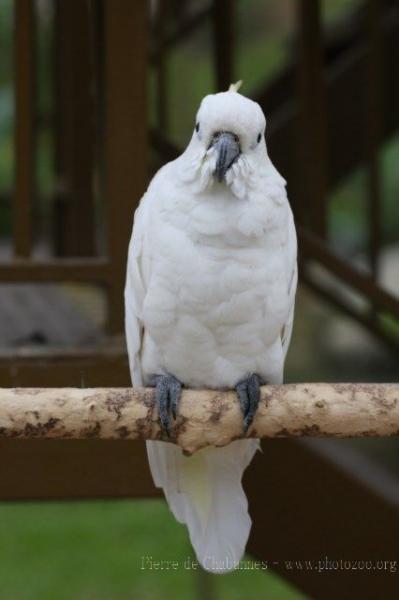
(175, 393)
(248, 392)
(167, 396)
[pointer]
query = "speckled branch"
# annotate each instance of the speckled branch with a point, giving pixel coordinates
(206, 417)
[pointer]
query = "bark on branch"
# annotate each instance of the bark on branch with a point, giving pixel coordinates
(206, 417)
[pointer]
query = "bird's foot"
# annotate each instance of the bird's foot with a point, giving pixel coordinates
(167, 397)
(248, 392)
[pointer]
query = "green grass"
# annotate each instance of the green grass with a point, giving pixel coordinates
(94, 550)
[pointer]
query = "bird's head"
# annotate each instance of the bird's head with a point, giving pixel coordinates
(228, 142)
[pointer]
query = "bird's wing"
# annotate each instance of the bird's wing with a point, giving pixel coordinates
(276, 186)
(135, 291)
(292, 280)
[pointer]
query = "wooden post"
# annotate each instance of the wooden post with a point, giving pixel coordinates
(312, 146)
(25, 102)
(161, 65)
(126, 33)
(223, 43)
(374, 87)
(74, 144)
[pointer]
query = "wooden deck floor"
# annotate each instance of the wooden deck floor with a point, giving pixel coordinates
(48, 316)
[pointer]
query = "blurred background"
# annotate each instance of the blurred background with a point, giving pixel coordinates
(96, 95)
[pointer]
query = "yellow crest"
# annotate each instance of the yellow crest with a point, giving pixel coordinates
(234, 87)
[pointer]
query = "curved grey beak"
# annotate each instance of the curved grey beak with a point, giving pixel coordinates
(227, 147)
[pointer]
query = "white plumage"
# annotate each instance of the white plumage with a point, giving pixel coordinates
(210, 291)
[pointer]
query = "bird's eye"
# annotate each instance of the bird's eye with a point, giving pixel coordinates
(259, 138)
(197, 127)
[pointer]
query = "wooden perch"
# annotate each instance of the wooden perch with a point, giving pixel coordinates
(206, 417)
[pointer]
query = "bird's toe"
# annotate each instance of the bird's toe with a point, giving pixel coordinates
(167, 397)
(248, 392)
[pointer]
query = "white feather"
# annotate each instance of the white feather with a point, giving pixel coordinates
(210, 291)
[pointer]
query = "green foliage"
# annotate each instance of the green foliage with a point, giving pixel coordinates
(349, 204)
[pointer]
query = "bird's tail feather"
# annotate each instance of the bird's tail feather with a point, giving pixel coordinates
(204, 491)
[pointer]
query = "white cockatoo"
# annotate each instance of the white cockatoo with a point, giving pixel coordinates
(210, 291)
